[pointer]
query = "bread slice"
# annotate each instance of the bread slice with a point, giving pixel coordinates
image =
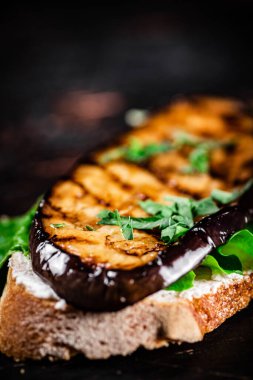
(35, 323)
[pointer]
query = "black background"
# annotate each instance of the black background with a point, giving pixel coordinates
(133, 54)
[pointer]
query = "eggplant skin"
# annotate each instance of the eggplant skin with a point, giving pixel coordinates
(96, 288)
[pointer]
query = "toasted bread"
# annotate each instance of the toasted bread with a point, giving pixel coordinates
(35, 324)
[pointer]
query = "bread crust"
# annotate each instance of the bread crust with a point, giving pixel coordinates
(34, 328)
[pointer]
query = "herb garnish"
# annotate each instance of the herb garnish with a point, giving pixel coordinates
(57, 225)
(172, 220)
(225, 197)
(89, 228)
(198, 158)
(135, 151)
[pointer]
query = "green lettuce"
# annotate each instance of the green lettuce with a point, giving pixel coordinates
(185, 282)
(235, 256)
(14, 234)
(240, 245)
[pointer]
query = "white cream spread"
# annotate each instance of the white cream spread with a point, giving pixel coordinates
(23, 273)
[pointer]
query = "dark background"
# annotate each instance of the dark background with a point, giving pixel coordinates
(67, 77)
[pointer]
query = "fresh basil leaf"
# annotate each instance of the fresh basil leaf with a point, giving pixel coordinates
(184, 283)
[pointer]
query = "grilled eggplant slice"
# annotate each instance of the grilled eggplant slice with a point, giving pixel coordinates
(92, 266)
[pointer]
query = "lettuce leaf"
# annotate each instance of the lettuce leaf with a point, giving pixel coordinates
(211, 263)
(235, 256)
(185, 282)
(14, 234)
(241, 246)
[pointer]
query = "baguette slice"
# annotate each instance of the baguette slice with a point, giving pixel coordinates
(35, 323)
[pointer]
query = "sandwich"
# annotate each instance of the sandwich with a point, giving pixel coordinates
(146, 242)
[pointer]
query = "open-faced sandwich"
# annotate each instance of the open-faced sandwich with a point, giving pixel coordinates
(146, 242)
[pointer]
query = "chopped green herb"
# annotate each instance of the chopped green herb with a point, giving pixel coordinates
(172, 220)
(172, 233)
(155, 208)
(225, 197)
(135, 151)
(183, 138)
(113, 218)
(204, 206)
(57, 225)
(190, 206)
(113, 154)
(198, 160)
(89, 228)
(200, 156)
(127, 229)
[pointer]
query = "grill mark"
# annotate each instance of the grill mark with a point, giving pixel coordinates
(70, 238)
(133, 189)
(160, 176)
(98, 200)
(78, 184)
(66, 216)
(164, 181)
(46, 216)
